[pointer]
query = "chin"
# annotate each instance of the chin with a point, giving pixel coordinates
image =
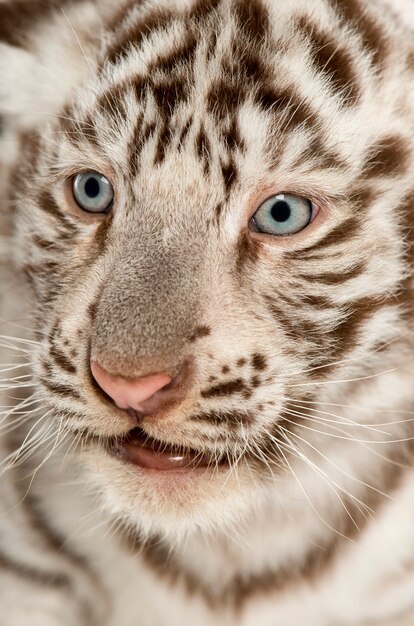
(171, 501)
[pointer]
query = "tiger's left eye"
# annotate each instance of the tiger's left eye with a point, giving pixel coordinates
(283, 214)
(93, 192)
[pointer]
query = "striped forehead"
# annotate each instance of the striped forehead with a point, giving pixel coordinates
(225, 80)
(164, 66)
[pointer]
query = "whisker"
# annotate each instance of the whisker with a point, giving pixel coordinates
(291, 448)
(340, 419)
(332, 423)
(20, 340)
(337, 467)
(346, 380)
(332, 484)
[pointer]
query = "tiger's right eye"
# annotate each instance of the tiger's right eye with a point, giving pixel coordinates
(93, 192)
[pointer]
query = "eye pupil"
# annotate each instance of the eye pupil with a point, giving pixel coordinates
(93, 192)
(281, 211)
(92, 188)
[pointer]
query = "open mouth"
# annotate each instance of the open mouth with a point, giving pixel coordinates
(142, 450)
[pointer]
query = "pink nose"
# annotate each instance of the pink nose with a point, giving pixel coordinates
(137, 394)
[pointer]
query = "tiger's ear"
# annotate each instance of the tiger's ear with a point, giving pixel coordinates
(22, 97)
(43, 56)
(35, 86)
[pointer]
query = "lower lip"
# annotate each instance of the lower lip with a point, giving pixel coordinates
(139, 452)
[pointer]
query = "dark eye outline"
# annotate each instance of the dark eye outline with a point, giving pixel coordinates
(105, 210)
(254, 227)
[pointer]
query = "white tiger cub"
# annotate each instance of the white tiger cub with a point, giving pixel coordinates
(206, 346)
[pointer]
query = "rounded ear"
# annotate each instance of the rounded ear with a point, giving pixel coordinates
(21, 96)
(43, 56)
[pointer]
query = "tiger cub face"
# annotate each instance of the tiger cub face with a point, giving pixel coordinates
(214, 229)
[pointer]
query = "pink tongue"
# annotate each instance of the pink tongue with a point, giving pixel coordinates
(167, 460)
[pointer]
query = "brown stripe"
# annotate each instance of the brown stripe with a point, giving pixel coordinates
(224, 97)
(296, 329)
(386, 480)
(335, 278)
(406, 211)
(42, 525)
(40, 522)
(230, 175)
(164, 141)
(180, 55)
(48, 204)
(31, 145)
(316, 562)
(122, 14)
(31, 272)
(200, 333)
(318, 155)
(341, 233)
(56, 331)
(112, 101)
(42, 276)
(61, 389)
(286, 103)
(47, 367)
(62, 360)
(71, 418)
(334, 62)
(142, 135)
(253, 21)
(231, 419)
(161, 557)
(360, 199)
(372, 35)
(185, 131)
(318, 302)
(77, 131)
(56, 580)
(388, 157)
(45, 244)
(346, 333)
(135, 34)
(212, 45)
(168, 94)
(92, 308)
(102, 233)
(229, 388)
(248, 251)
(203, 9)
(203, 149)
(247, 64)
(232, 137)
(88, 130)
(218, 211)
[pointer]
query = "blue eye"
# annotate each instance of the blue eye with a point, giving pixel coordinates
(284, 214)
(93, 192)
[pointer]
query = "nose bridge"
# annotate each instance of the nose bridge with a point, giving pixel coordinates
(146, 310)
